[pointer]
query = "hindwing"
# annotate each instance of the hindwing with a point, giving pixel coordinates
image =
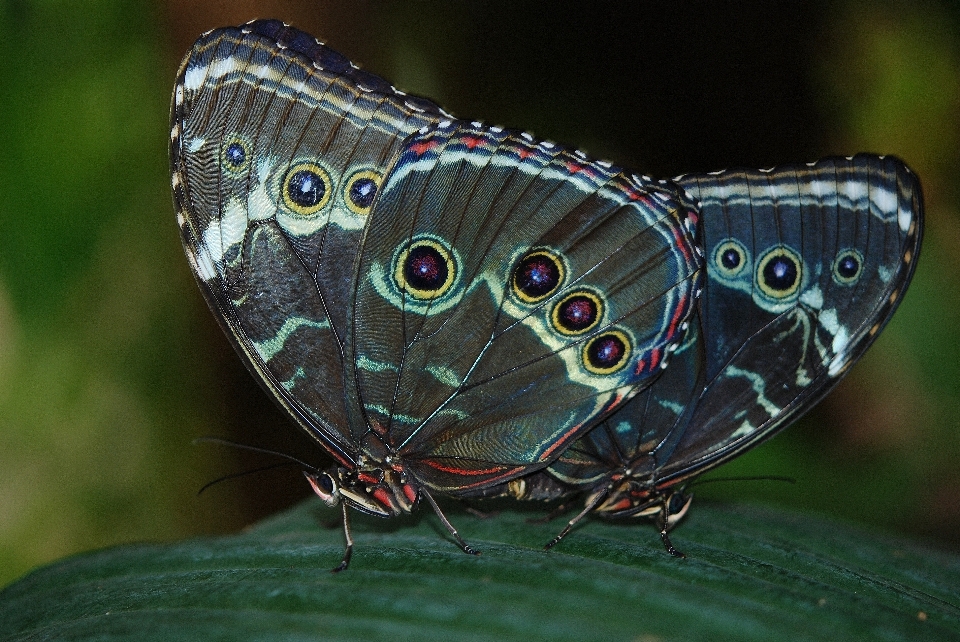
(510, 291)
(830, 250)
(805, 265)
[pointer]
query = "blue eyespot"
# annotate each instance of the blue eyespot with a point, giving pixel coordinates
(607, 353)
(235, 156)
(306, 188)
(425, 269)
(360, 191)
(577, 313)
(537, 276)
(730, 259)
(780, 274)
(847, 267)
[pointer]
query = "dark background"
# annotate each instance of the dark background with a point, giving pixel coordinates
(110, 363)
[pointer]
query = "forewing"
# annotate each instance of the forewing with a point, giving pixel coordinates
(271, 132)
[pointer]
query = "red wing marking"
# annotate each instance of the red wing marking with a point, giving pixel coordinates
(422, 148)
(558, 442)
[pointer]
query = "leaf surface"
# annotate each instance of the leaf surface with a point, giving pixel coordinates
(750, 574)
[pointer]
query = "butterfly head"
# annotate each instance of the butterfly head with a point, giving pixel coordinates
(383, 491)
(632, 497)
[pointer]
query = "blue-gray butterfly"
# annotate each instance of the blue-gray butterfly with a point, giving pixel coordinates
(443, 306)
(805, 265)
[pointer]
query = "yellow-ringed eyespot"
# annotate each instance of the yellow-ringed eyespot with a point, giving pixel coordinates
(537, 276)
(235, 155)
(360, 190)
(577, 312)
(425, 269)
(847, 267)
(730, 258)
(779, 272)
(306, 188)
(607, 352)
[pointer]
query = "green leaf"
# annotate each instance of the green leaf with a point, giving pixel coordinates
(750, 574)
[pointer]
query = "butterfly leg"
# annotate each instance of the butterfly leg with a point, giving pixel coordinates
(348, 551)
(664, 524)
(567, 528)
(593, 503)
(443, 518)
(480, 514)
(552, 515)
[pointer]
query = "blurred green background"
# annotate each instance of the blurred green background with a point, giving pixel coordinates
(110, 363)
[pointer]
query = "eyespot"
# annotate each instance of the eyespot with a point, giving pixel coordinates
(306, 188)
(425, 269)
(848, 267)
(235, 155)
(730, 259)
(606, 353)
(779, 273)
(577, 313)
(360, 190)
(537, 276)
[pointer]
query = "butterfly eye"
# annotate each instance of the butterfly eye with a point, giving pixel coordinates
(577, 313)
(677, 506)
(848, 267)
(730, 258)
(360, 190)
(779, 273)
(325, 486)
(537, 276)
(306, 188)
(425, 269)
(607, 353)
(235, 156)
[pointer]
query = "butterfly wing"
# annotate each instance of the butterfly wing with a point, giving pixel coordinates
(278, 147)
(624, 440)
(512, 291)
(805, 266)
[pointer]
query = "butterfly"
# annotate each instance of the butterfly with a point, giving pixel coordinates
(441, 305)
(805, 265)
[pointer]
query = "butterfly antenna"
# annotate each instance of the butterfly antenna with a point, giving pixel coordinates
(266, 451)
(348, 549)
(244, 474)
(586, 510)
(446, 522)
(700, 482)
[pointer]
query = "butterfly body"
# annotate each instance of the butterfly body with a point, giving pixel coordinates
(443, 306)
